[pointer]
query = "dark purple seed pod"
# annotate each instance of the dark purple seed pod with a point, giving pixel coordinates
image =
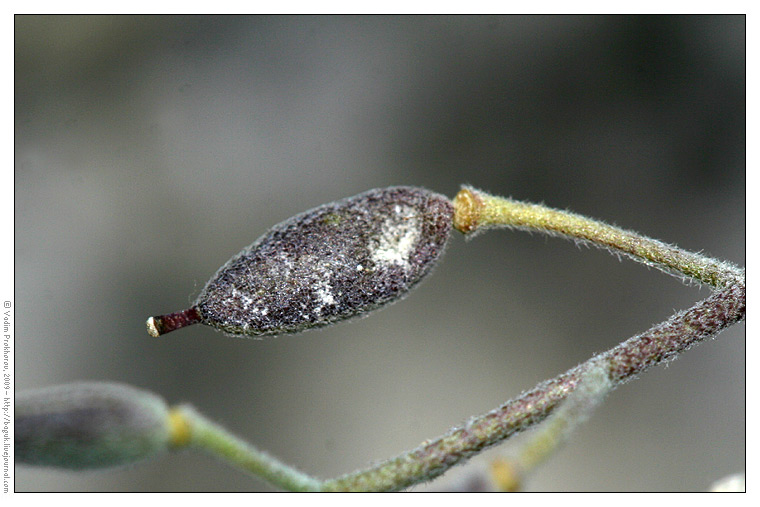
(328, 264)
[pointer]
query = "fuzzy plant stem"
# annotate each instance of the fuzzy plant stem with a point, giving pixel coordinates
(475, 210)
(507, 474)
(200, 433)
(632, 357)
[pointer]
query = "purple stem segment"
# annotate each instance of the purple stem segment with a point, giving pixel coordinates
(163, 324)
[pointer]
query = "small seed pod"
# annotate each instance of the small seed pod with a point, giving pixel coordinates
(328, 264)
(89, 425)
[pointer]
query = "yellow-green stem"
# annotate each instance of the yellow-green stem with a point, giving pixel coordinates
(476, 210)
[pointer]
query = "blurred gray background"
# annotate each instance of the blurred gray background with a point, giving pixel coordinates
(149, 150)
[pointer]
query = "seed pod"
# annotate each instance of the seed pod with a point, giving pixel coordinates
(89, 425)
(328, 264)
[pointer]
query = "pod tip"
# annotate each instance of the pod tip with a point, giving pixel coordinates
(152, 328)
(163, 324)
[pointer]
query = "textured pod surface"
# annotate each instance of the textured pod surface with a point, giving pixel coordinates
(89, 425)
(330, 263)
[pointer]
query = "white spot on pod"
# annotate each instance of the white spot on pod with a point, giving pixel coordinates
(397, 238)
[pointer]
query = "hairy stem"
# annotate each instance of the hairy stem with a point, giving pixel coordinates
(507, 473)
(476, 210)
(212, 438)
(576, 409)
(632, 357)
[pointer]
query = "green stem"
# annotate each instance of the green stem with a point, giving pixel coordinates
(476, 210)
(214, 439)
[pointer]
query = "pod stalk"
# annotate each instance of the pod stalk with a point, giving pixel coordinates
(163, 324)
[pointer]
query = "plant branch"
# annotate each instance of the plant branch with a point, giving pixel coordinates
(474, 211)
(206, 435)
(661, 343)
(183, 427)
(507, 474)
